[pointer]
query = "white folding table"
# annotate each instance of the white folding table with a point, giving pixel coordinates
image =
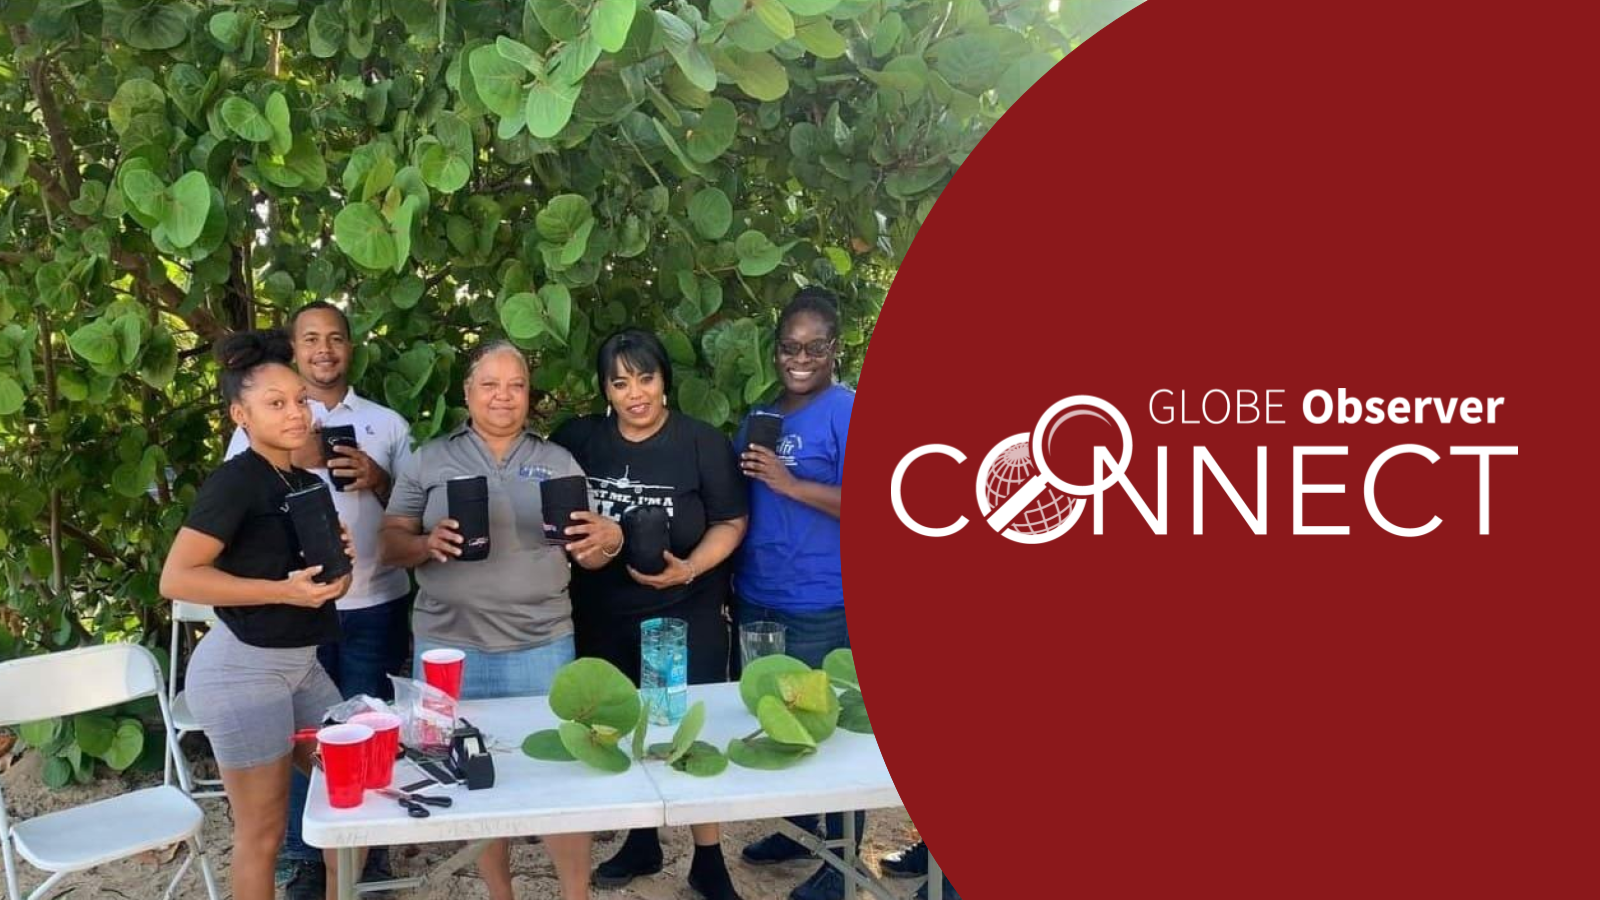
(534, 797)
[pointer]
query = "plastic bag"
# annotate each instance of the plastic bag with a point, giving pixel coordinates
(355, 706)
(427, 714)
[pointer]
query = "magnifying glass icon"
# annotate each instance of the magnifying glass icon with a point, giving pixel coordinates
(1039, 445)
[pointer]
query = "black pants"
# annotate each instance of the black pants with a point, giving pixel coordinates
(614, 637)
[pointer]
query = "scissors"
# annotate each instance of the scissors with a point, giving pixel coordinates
(416, 805)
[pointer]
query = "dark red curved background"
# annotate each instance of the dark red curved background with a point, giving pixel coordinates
(1397, 199)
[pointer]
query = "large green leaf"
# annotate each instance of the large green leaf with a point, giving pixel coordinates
(853, 713)
(756, 681)
(841, 668)
(968, 61)
(160, 363)
(521, 317)
(775, 17)
(688, 731)
(780, 723)
(189, 90)
(818, 36)
(95, 342)
(760, 75)
(11, 395)
(326, 29)
(94, 732)
(244, 120)
(130, 336)
(136, 96)
(702, 400)
(550, 107)
(277, 115)
(158, 26)
(126, 745)
(521, 54)
(443, 170)
(757, 254)
(765, 753)
(711, 213)
(361, 233)
(498, 81)
(41, 733)
(560, 18)
(562, 217)
(187, 209)
(557, 303)
(57, 773)
(684, 46)
(714, 133)
(609, 20)
(586, 747)
(701, 760)
(547, 745)
(145, 192)
(595, 692)
(306, 162)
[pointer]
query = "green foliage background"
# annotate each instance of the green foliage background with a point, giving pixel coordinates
(449, 171)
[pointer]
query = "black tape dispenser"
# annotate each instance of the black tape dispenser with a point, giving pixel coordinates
(470, 756)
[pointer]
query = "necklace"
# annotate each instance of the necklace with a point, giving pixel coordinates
(275, 470)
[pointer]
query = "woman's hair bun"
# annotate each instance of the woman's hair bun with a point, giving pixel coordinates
(244, 350)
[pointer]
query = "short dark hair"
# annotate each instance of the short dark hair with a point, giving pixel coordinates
(320, 304)
(639, 350)
(243, 352)
(818, 301)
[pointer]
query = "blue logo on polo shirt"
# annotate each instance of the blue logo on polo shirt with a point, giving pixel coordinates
(535, 473)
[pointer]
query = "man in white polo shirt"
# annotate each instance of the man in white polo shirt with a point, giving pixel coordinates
(375, 615)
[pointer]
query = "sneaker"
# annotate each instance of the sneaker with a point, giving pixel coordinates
(309, 881)
(827, 883)
(912, 862)
(775, 848)
(950, 892)
(637, 858)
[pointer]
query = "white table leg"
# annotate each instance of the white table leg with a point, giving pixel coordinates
(850, 854)
(348, 873)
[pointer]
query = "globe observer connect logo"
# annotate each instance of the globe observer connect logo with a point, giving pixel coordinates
(1025, 500)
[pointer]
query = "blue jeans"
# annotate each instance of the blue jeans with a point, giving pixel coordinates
(374, 643)
(507, 673)
(808, 637)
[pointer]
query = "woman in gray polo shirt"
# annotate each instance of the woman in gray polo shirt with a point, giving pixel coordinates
(509, 613)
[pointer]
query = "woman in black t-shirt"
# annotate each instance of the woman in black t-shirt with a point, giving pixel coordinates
(641, 454)
(254, 680)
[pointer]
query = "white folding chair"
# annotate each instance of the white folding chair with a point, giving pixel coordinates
(183, 615)
(82, 837)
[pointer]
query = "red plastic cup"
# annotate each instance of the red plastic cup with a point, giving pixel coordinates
(344, 762)
(443, 668)
(383, 747)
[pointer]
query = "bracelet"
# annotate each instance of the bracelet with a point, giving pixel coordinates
(693, 572)
(609, 554)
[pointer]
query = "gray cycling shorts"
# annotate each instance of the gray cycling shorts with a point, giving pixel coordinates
(250, 700)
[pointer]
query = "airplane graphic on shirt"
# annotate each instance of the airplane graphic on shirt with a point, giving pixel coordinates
(614, 496)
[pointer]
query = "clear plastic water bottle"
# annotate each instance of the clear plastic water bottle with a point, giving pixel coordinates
(664, 669)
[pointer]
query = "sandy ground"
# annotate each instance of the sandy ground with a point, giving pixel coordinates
(146, 876)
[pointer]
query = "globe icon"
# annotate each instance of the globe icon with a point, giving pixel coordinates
(1011, 470)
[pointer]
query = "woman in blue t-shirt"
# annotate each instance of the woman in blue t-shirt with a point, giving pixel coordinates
(788, 568)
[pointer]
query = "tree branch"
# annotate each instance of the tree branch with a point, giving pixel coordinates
(55, 126)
